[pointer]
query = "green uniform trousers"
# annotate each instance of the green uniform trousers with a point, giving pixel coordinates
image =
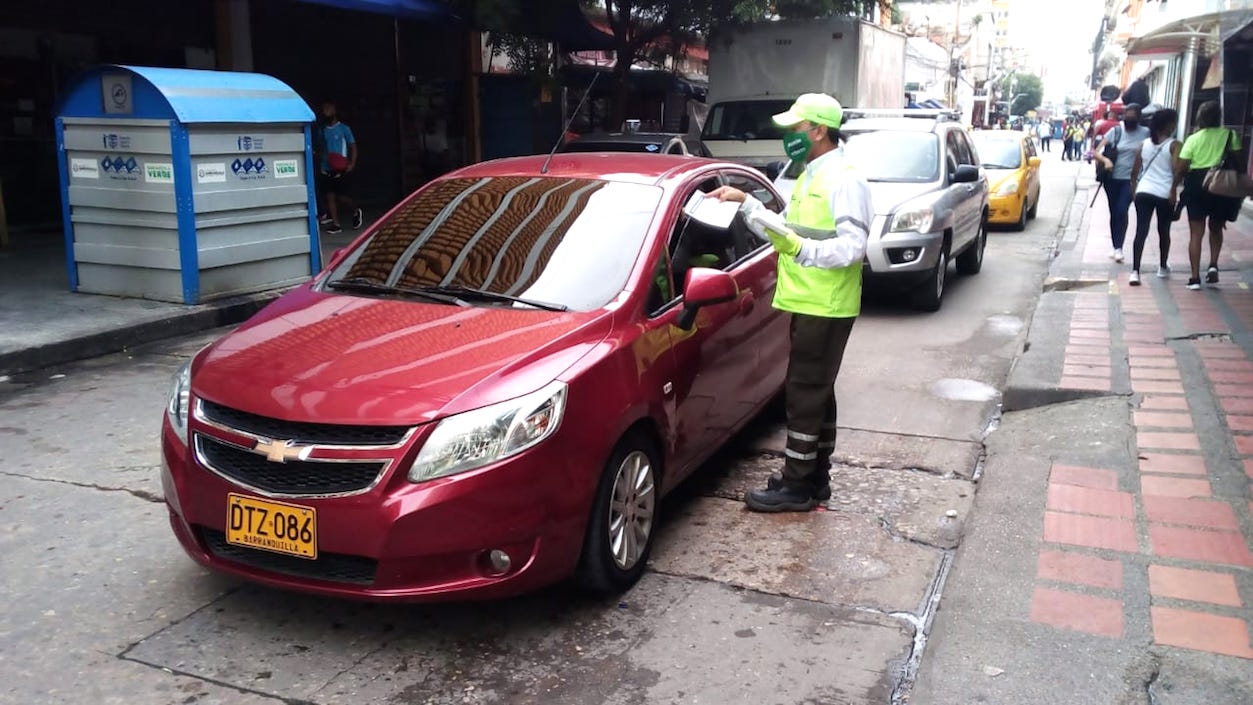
(809, 393)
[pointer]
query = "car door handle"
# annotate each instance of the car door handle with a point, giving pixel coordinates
(747, 302)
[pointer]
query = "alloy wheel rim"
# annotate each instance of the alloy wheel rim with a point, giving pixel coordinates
(631, 509)
(940, 273)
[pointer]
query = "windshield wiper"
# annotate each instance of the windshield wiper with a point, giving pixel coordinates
(466, 292)
(997, 166)
(372, 287)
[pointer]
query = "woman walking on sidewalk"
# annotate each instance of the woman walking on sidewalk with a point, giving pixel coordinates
(1202, 150)
(1154, 182)
(1126, 140)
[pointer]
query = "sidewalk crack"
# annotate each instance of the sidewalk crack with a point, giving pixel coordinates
(141, 494)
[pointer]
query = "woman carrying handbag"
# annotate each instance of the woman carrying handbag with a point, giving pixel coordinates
(1203, 150)
(1154, 182)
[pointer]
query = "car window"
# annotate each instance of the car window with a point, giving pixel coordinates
(660, 285)
(968, 148)
(608, 146)
(959, 148)
(694, 245)
(1000, 153)
(743, 241)
(894, 156)
(747, 119)
(563, 241)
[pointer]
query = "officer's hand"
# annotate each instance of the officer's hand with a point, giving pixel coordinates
(727, 193)
(787, 245)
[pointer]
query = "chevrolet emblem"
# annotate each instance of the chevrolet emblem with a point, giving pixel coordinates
(281, 451)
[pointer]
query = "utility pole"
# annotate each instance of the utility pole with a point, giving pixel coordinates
(952, 71)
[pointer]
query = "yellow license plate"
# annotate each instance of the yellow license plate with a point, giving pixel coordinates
(271, 526)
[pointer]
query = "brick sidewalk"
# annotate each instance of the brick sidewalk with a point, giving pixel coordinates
(1185, 517)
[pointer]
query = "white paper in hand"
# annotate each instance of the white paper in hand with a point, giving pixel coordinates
(762, 219)
(711, 211)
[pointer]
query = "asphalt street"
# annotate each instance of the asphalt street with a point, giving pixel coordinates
(99, 605)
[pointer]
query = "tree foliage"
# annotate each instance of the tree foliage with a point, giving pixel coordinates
(1025, 90)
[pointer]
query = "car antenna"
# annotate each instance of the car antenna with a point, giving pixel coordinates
(566, 128)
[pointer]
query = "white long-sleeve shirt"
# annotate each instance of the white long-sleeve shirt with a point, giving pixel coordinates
(851, 208)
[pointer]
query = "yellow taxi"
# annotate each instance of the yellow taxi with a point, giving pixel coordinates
(1009, 159)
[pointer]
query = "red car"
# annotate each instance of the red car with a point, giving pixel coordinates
(487, 392)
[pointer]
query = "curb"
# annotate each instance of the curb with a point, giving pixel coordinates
(215, 314)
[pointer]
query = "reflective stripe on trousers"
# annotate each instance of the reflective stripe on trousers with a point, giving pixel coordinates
(817, 350)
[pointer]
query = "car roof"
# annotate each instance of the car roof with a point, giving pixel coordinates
(645, 137)
(624, 167)
(1000, 135)
(892, 124)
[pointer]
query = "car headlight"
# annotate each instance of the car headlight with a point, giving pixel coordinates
(180, 401)
(1008, 187)
(917, 219)
(476, 438)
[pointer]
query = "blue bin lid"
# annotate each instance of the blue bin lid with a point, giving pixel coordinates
(191, 96)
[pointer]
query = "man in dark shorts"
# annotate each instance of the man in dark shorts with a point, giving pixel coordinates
(339, 159)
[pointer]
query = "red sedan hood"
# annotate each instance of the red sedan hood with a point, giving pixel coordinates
(353, 360)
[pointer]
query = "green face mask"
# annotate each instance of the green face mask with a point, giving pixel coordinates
(796, 145)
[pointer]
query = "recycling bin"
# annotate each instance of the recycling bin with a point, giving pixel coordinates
(184, 185)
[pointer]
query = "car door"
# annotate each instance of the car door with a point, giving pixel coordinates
(709, 367)
(1033, 172)
(966, 199)
(981, 192)
(755, 269)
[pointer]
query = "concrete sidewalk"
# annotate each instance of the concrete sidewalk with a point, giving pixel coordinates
(43, 323)
(1108, 560)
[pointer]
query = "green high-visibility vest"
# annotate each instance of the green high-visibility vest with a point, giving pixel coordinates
(828, 293)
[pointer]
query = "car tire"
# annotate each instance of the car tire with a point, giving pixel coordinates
(1021, 225)
(1035, 208)
(930, 294)
(613, 556)
(971, 261)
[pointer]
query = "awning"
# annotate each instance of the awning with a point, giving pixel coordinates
(412, 9)
(1209, 31)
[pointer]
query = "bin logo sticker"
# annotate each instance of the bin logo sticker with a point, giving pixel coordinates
(249, 169)
(159, 173)
(84, 169)
(247, 143)
(286, 169)
(211, 173)
(112, 140)
(120, 168)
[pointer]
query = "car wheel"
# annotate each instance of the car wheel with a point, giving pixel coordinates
(971, 261)
(620, 534)
(1022, 217)
(930, 295)
(1035, 208)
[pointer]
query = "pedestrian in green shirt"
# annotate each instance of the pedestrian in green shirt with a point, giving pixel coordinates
(1202, 150)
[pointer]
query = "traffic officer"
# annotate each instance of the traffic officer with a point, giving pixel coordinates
(821, 244)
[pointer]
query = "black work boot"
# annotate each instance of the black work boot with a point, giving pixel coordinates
(821, 481)
(786, 497)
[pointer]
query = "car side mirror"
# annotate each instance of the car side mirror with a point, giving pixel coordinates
(1033, 161)
(705, 287)
(966, 174)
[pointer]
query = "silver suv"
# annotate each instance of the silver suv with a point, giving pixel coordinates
(930, 198)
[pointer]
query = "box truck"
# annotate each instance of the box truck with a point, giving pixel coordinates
(757, 70)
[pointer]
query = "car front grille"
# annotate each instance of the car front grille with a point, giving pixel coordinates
(331, 567)
(296, 477)
(303, 432)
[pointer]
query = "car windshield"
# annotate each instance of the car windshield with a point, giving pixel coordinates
(745, 120)
(999, 153)
(560, 242)
(895, 156)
